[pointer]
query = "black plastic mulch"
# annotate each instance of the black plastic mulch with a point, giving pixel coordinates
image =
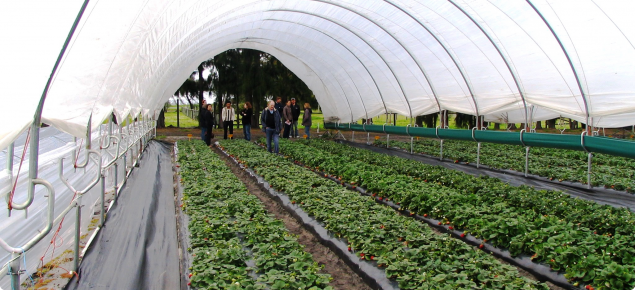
(138, 247)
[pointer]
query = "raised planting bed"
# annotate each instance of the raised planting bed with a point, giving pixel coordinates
(556, 164)
(235, 244)
(409, 251)
(590, 243)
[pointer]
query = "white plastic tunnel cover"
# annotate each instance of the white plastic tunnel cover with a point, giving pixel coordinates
(497, 58)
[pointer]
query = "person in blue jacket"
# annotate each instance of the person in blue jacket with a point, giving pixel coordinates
(271, 125)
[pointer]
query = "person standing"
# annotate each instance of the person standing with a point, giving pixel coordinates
(228, 116)
(271, 125)
(208, 123)
(288, 120)
(295, 111)
(279, 105)
(280, 108)
(306, 120)
(201, 112)
(246, 114)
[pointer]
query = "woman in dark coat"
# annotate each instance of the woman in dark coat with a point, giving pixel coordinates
(306, 120)
(208, 122)
(246, 114)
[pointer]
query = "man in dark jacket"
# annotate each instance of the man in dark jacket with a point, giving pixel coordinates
(279, 105)
(208, 123)
(201, 112)
(271, 125)
(295, 111)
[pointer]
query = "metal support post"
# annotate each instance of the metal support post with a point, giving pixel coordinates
(590, 158)
(353, 136)
(411, 138)
(478, 148)
(441, 150)
(478, 155)
(116, 179)
(103, 197)
(387, 140)
(14, 270)
(78, 219)
(588, 175)
(10, 153)
(318, 129)
(522, 141)
(527, 161)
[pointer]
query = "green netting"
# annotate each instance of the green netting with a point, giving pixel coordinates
(465, 135)
(560, 141)
(617, 147)
(500, 137)
(423, 132)
(399, 130)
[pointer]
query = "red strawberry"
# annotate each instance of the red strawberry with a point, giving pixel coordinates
(462, 235)
(353, 187)
(480, 246)
(361, 255)
(440, 223)
(293, 201)
(189, 283)
(349, 249)
(372, 258)
(270, 185)
(190, 276)
(425, 215)
(380, 198)
(450, 228)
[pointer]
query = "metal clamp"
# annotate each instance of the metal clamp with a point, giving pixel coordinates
(522, 141)
(582, 141)
(436, 131)
(474, 138)
(408, 130)
(384, 128)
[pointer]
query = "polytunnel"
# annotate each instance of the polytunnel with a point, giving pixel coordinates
(74, 65)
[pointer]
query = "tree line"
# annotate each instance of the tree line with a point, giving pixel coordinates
(244, 75)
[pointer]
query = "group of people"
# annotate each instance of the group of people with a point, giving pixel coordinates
(272, 119)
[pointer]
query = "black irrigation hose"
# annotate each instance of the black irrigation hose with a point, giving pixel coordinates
(367, 270)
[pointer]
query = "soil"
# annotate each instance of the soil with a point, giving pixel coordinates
(343, 277)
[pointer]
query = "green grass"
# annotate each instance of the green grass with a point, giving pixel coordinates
(184, 120)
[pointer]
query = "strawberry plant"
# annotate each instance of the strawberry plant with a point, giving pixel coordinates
(553, 227)
(411, 253)
(556, 164)
(229, 227)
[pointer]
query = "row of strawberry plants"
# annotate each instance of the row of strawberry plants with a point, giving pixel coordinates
(559, 164)
(230, 227)
(577, 237)
(409, 250)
